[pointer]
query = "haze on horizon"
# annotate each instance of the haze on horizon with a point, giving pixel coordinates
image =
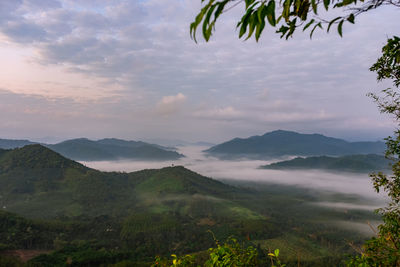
(128, 69)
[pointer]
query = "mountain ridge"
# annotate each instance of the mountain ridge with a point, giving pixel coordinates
(85, 149)
(283, 143)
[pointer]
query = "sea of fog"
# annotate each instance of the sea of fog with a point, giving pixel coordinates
(247, 170)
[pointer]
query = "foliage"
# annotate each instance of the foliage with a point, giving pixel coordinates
(230, 253)
(284, 15)
(388, 66)
(384, 250)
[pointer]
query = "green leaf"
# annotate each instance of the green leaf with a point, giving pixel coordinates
(259, 29)
(308, 24)
(326, 4)
(198, 19)
(206, 23)
(339, 28)
(303, 10)
(283, 29)
(244, 22)
(219, 9)
(286, 10)
(314, 7)
(276, 252)
(351, 18)
(270, 11)
(292, 27)
(248, 3)
(261, 13)
(252, 24)
(348, 2)
(316, 25)
(331, 22)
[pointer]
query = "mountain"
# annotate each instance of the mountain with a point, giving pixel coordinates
(10, 143)
(112, 149)
(353, 163)
(283, 143)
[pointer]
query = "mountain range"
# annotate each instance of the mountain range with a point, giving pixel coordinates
(55, 205)
(104, 149)
(283, 143)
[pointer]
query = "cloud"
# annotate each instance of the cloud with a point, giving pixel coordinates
(223, 113)
(170, 104)
(142, 50)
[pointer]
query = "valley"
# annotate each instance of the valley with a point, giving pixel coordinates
(70, 208)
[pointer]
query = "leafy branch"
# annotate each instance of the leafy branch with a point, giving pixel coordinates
(284, 15)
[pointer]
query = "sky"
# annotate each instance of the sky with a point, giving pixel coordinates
(129, 69)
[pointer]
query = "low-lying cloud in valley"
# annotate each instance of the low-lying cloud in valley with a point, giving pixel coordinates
(247, 170)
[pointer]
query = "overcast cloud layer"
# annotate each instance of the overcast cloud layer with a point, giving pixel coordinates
(129, 69)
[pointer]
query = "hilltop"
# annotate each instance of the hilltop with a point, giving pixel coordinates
(283, 143)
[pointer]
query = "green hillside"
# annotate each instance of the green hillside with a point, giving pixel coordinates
(353, 163)
(51, 203)
(37, 182)
(282, 143)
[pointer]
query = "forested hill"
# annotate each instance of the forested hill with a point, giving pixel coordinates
(56, 185)
(104, 149)
(353, 163)
(281, 143)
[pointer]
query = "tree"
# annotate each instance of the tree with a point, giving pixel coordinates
(284, 15)
(384, 250)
